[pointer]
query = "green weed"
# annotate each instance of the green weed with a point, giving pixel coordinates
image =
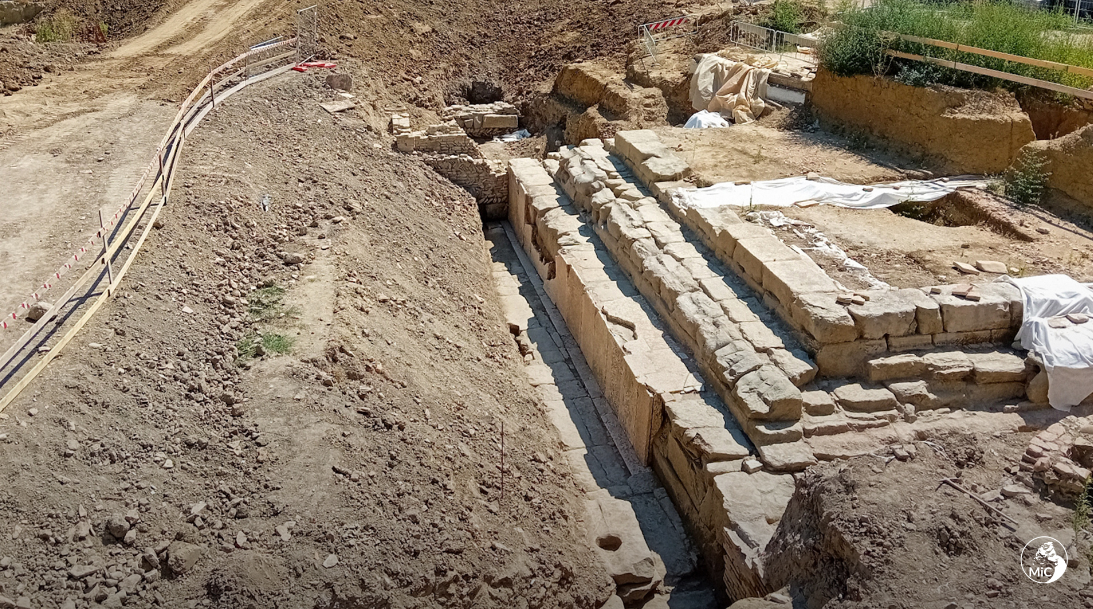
(785, 15)
(59, 27)
(1026, 180)
(267, 343)
(265, 303)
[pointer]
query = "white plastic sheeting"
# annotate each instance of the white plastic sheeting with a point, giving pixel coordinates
(789, 191)
(704, 119)
(1067, 352)
(515, 136)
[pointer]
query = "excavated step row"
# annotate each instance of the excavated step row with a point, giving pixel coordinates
(686, 433)
(756, 371)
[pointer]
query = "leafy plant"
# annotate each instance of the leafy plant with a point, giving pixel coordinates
(1026, 180)
(58, 27)
(265, 303)
(785, 15)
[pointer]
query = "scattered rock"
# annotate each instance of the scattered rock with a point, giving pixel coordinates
(991, 266)
(38, 310)
(965, 268)
(331, 561)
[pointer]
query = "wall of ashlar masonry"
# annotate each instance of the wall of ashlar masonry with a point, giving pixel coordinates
(843, 338)
(446, 138)
(484, 120)
(730, 505)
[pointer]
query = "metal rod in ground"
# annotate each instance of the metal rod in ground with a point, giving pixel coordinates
(953, 484)
(106, 249)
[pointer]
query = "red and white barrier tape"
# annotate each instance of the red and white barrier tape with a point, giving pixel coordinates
(667, 23)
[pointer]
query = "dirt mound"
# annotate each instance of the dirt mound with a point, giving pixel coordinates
(168, 460)
(123, 18)
(878, 531)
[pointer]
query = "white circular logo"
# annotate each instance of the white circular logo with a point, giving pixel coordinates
(1043, 560)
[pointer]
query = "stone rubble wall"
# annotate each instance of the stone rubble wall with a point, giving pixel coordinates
(486, 179)
(843, 338)
(484, 120)
(1060, 458)
(687, 436)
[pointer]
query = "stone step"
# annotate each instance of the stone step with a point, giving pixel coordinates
(755, 370)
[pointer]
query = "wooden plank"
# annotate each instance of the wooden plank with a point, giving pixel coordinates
(1024, 80)
(963, 48)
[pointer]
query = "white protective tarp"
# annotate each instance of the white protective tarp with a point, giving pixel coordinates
(1067, 352)
(789, 191)
(734, 89)
(704, 119)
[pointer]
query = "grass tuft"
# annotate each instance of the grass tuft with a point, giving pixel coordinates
(785, 15)
(271, 343)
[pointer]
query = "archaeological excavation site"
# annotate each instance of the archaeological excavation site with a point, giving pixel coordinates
(596, 304)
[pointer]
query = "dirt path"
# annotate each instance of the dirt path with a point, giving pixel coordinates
(80, 141)
(198, 25)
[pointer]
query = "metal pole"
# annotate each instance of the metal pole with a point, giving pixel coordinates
(105, 251)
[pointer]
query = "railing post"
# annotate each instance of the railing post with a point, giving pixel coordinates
(106, 253)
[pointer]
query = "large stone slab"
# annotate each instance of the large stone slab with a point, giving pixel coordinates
(998, 367)
(767, 395)
(884, 314)
(788, 279)
(755, 253)
(903, 366)
(856, 398)
(827, 321)
(993, 311)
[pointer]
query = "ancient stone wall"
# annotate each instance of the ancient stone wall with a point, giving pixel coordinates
(730, 505)
(447, 138)
(484, 120)
(843, 330)
(970, 131)
(487, 180)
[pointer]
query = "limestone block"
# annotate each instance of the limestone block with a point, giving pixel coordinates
(762, 433)
(713, 334)
(758, 497)
(767, 395)
(500, 121)
(618, 540)
(840, 360)
(643, 251)
(824, 319)
(639, 145)
(991, 312)
(1037, 388)
(725, 241)
(755, 253)
(740, 310)
(735, 360)
(788, 279)
(856, 398)
(892, 367)
(914, 342)
(964, 339)
(884, 314)
(664, 168)
(818, 403)
(797, 366)
(716, 443)
(654, 213)
(665, 233)
(916, 393)
(691, 411)
(622, 218)
(787, 457)
(673, 279)
(927, 311)
(948, 365)
(760, 336)
(998, 367)
(693, 309)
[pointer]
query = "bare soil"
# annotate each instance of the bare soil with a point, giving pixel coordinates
(879, 532)
(376, 439)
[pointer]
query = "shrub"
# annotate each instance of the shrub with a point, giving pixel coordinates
(1026, 179)
(785, 15)
(58, 27)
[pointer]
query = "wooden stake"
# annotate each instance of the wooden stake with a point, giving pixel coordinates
(502, 462)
